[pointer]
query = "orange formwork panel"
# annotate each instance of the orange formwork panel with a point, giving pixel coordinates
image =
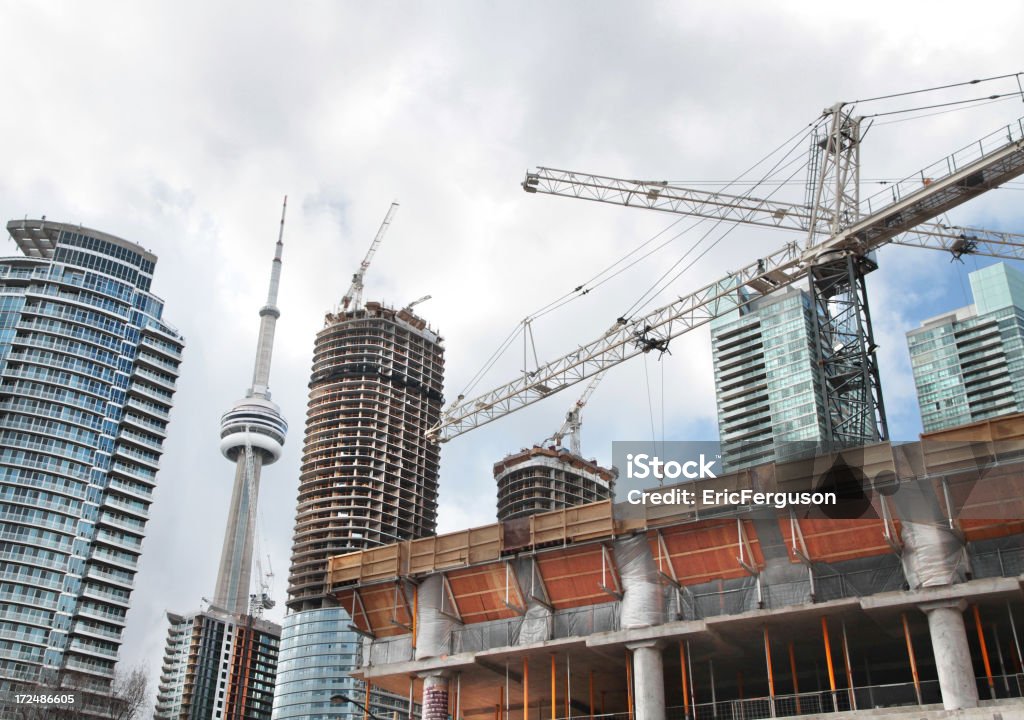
(379, 610)
(708, 550)
(830, 540)
(573, 576)
(480, 593)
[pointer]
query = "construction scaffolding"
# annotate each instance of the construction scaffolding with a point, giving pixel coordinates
(369, 477)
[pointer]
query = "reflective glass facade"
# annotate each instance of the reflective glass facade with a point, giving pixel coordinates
(318, 650)
(766, 378)
(968, 365)
(87, 376)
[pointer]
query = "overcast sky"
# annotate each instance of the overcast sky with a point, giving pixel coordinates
(181, 125)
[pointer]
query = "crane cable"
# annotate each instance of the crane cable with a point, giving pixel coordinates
(597, 280)
(653, 291)
(589, 285)
(938, 87)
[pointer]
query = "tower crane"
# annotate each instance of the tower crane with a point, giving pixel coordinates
(574, 419)
(841, 235)
(354, 297)
(417, 301)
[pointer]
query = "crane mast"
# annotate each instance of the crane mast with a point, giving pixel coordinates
(844, 239)
(354, 297)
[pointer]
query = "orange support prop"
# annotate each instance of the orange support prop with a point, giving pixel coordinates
(768, 661)
(831, 666)
(501, 701)
(828, 655)
(591, 695)
(913, 659)
(984, 652)
(849, 670)
(686, 689)
(554, 690)
(629, 684)
(366, 702)
(792, 670)
(526, 689)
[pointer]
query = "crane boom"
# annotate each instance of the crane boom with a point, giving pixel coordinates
(574, 419)
(660, 195)
(354, 297)
(991, 164)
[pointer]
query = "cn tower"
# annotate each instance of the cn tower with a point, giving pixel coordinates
(252, 435)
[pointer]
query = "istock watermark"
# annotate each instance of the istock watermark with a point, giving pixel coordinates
(643, 466)
(929, 481)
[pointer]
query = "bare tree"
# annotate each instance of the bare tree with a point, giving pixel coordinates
(125, 699)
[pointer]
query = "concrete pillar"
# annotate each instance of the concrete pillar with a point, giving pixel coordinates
(435, 696)
(648, 681)
(952, 655)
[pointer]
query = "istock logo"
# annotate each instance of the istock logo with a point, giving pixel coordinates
(642, 466)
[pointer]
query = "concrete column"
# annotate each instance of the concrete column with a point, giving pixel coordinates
(952, 655)
(435, 696)
(648, 681)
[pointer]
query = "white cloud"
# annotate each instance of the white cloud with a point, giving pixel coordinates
(180, 126)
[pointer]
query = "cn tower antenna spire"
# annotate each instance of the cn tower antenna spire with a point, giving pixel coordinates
(252, 435)
(268, 319)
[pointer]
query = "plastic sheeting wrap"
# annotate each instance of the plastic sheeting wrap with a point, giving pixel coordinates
(536, 625)
(643, 601)
(932, 555)
(433, 629)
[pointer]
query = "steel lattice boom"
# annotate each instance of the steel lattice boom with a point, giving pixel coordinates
(904, 220)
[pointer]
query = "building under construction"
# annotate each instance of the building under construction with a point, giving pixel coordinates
(541, 479)
(906, 595)
(369, 478)
(218, 665)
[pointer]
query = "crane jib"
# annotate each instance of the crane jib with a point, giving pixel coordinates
(981, 166)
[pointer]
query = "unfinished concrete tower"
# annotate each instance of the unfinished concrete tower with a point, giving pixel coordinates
(541, 479)
(369, 476)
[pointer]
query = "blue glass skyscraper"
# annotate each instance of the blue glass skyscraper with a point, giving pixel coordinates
(968, 364)
(87, 375)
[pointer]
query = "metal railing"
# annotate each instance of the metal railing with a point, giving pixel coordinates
(948, 165)
(1003, 562)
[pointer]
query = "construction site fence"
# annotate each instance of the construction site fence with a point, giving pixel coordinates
(1004, 562)
(827, 585)
(819, 702)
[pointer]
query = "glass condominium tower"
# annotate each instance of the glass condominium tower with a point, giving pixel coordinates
(767, 385)
(87, 375)
(968, 364)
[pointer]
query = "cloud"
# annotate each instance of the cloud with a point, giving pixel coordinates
(181, 126)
